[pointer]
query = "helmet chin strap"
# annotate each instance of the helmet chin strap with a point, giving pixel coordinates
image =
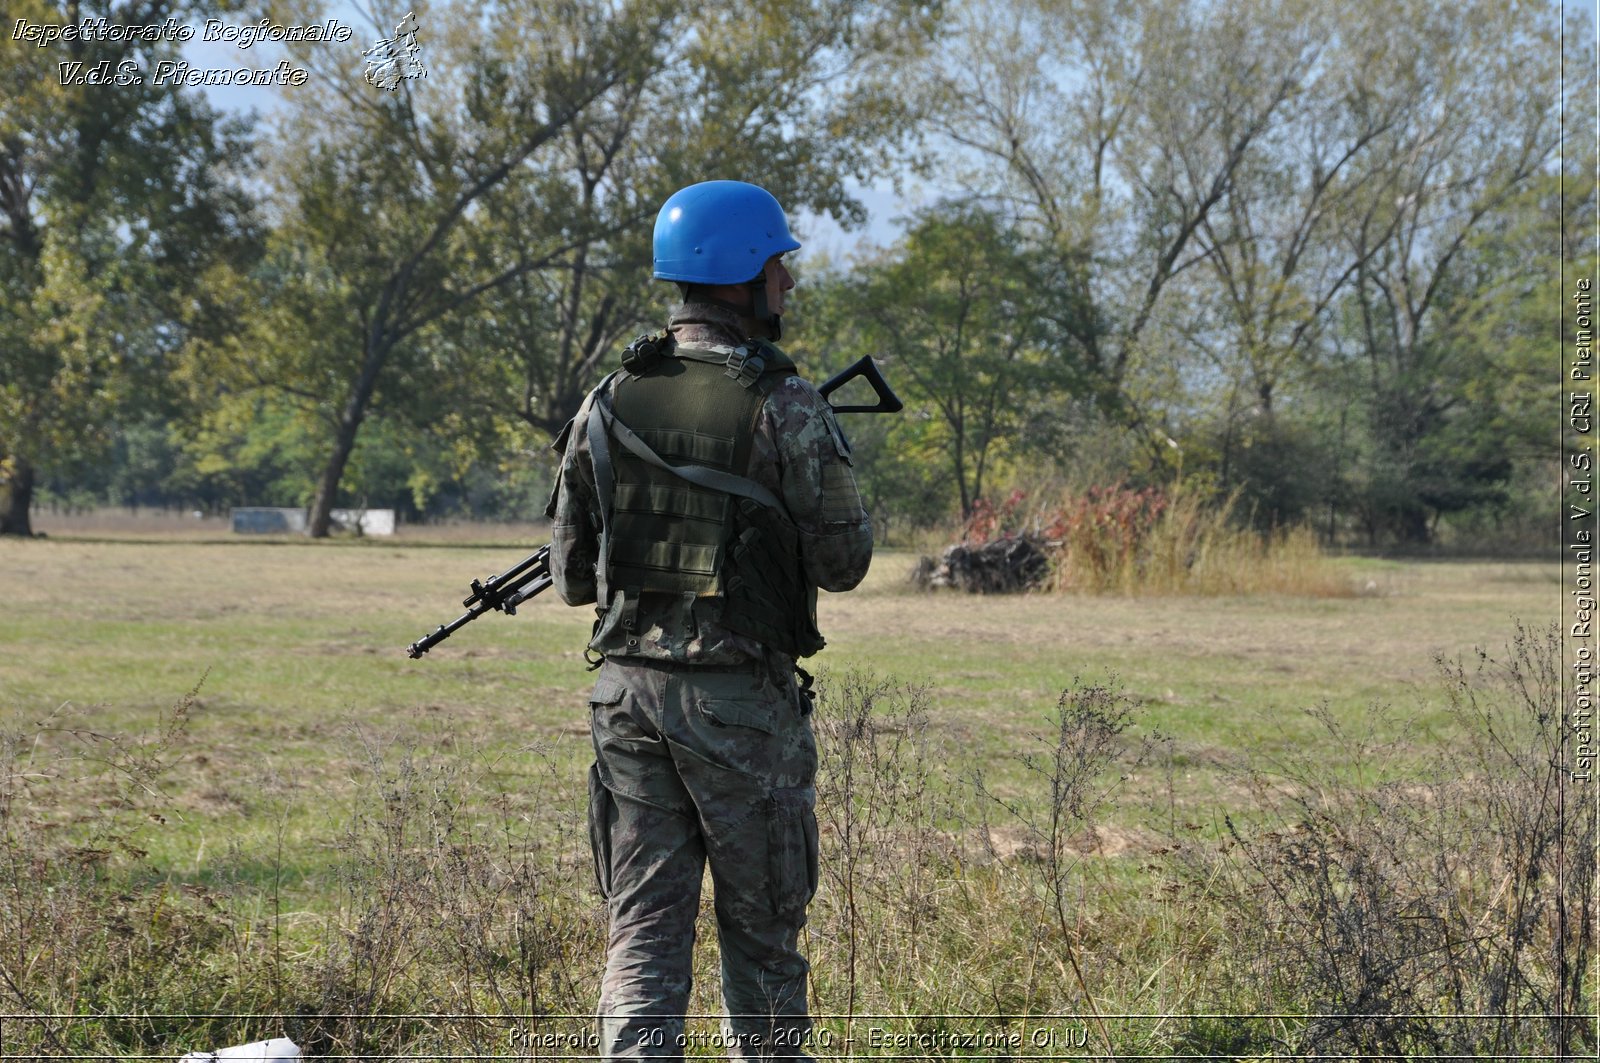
(757, 316)
(761, 311)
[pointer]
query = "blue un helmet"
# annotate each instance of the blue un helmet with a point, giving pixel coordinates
(719, 232)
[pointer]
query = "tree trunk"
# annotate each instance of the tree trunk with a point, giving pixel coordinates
(16, 498)
(1411, 524)
(961, 481)
(320, 519)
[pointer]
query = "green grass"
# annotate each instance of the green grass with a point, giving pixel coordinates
(299, 645)
(310, 722)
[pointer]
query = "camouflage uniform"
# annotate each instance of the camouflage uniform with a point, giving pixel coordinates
(703, 749)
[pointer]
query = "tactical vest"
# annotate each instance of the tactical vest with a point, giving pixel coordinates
(684, 519)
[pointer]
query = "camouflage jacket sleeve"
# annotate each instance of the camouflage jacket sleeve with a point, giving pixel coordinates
(574, 515)
(817, 485)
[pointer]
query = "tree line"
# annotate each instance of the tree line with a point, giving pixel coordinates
(1302, 256)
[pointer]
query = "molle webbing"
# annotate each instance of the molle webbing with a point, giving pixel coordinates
(670, 535)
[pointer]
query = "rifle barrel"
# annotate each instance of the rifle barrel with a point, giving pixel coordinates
(440, 633)
(505, 592)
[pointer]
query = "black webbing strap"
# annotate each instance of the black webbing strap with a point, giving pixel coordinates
(604, 481)
(808, 693)
(603, 419)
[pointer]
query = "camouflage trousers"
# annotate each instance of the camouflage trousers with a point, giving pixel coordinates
(697, 764)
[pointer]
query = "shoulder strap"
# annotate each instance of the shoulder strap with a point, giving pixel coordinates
(604, 482)
(698, 351)
(603, 419)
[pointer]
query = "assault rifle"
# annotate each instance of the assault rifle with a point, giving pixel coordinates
(530, 576)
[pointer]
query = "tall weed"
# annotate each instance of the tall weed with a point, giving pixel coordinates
(1388, 902)
(1178, 541)
(881, 806)
(1074, 777)
(84, 927)
(456, 896)
(447, 899)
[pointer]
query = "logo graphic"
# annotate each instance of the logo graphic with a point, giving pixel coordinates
(396, 59)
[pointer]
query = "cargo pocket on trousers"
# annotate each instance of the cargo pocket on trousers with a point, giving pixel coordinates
(730, 712)
(600, 817)
(792, 849)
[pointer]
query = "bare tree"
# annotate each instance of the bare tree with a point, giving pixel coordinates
(1116, 132)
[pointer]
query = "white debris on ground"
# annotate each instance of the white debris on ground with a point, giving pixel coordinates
(273, 1051)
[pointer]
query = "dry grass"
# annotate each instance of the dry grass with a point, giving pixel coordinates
(1195, 548)
(1394, 895)
(1368, 909)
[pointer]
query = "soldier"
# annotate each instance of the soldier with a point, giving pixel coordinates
(705, 494)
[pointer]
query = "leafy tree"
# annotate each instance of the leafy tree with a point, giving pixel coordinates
(957, 310)
(114, 201)
(1273, 263)
(1465, 427)
(1234, 175)
(800, 99)
(900, 461)
(385, 189)
(479, 240)
(249, 449)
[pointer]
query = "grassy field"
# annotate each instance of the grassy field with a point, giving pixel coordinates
(310, 722)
